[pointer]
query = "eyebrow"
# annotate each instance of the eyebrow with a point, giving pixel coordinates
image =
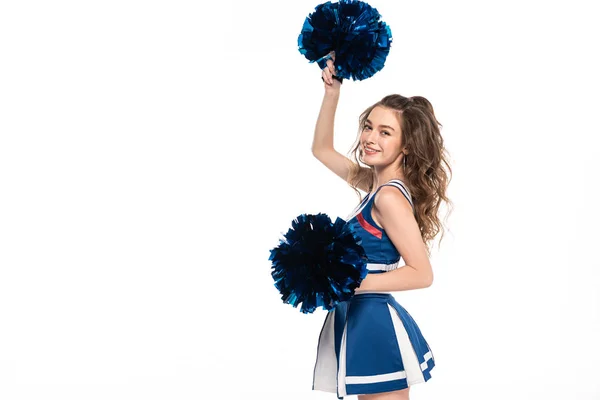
(381, 126)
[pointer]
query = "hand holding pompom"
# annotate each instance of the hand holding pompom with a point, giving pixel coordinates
(328, 75)
(318, 263)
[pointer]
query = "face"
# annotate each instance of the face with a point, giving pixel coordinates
(381, 133)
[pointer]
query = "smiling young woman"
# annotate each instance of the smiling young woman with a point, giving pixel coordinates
(371, 346)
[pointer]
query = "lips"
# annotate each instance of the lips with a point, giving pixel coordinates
(370, 151)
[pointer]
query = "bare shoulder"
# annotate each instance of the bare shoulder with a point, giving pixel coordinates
(389, 200)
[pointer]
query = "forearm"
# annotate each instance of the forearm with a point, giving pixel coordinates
(323, 138)
(403, 278)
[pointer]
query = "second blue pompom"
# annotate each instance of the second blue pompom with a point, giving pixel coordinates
(353, 30)
(319, 263)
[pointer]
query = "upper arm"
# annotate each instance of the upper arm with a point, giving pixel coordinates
(337, 163)
(397, 219)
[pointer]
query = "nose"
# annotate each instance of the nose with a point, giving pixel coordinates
(371, 135)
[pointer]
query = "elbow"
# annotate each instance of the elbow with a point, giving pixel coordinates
(316, 151)
(319, 150)
(428, 280)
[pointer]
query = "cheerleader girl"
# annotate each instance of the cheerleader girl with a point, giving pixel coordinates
(370, 346)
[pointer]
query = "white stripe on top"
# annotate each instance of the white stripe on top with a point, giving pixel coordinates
(394, 182)
(360, 207)
(383, 267)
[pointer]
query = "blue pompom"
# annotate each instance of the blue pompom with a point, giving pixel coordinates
(318, 263)
(354, 31)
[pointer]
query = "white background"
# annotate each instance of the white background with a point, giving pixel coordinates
(152, 153)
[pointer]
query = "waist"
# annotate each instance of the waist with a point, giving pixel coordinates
(371, 295)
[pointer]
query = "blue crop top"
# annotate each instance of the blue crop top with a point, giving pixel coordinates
(382, 255)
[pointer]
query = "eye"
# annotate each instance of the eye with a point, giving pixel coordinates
(387, 133)
(366, 127)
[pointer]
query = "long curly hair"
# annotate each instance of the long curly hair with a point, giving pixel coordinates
(427, 172)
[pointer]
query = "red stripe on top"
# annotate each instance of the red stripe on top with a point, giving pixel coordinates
(368, 227)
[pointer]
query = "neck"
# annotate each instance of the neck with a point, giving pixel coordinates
(381, 179)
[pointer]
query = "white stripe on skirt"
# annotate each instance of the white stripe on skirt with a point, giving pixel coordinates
(326, 368)
(342, 367)
(412, 367)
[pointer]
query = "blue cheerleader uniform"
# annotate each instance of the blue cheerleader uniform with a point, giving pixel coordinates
(371, 344)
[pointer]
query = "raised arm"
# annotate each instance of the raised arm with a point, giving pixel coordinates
(322, 147)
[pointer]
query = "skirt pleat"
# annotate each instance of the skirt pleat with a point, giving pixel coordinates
(370, 344)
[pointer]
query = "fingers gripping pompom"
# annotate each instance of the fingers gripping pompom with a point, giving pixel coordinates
(318, 263)
(354, 31)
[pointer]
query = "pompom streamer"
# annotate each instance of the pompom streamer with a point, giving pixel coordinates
(318, 263)
(354, 31)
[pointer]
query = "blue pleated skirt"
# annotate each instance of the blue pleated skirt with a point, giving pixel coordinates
(370, 344)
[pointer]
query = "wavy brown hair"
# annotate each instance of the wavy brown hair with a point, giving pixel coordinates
(427, 172)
